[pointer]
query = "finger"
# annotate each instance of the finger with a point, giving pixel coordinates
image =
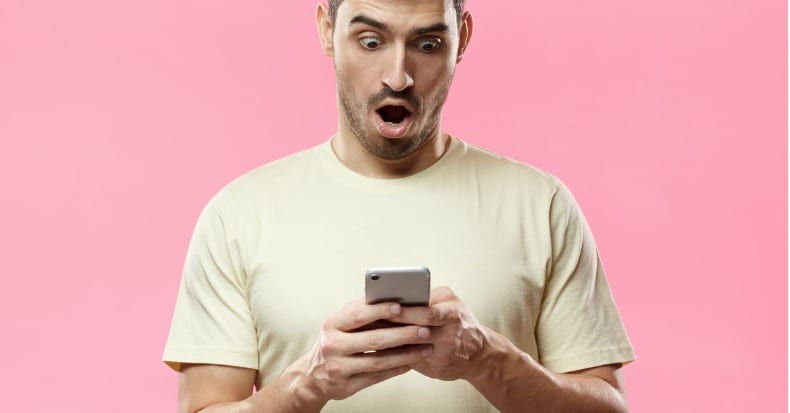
(377, 325)
(381, 339)
(442, 294)
(387, 359)
(363, 380)
(358, 314)
(433, 316)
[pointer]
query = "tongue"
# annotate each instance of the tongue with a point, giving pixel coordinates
(393, 130)
(393, 114)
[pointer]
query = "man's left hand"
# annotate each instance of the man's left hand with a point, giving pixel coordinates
(459, 340)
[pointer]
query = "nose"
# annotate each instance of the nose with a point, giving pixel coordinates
(397, 76)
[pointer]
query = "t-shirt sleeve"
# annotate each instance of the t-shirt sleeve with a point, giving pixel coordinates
(579, 326)
(212, 322)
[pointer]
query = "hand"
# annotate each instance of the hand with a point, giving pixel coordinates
(459, 340)
(346, 360)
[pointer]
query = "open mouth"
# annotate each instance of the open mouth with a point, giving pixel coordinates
(393, 115)
(393, 121)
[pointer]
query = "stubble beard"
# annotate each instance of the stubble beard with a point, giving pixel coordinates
(356, 112)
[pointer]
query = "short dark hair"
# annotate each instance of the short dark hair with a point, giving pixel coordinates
(334, 4)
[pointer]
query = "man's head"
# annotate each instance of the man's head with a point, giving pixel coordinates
(334, 4)
(394, 62)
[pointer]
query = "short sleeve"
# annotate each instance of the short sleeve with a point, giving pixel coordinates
(212, 322)
(579, 326)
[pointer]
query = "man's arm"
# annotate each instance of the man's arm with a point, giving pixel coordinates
(207, 388)
(512, 380)
(339, 365)
(509, 378)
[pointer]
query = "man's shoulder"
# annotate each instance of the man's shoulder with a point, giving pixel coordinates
(280, 174)
(294, 164)
(507, 170)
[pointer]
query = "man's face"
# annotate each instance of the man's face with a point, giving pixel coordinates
(394, 61)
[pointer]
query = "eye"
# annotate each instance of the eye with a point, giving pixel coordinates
(370, 42)
(429, 44)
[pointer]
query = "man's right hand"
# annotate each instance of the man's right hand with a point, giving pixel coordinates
(347, 359)
(351, 353)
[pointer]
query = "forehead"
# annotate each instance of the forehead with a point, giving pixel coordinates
(398, 14)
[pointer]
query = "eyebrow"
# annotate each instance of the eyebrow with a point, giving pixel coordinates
(434, 28)
(362, 19)
(366, 20)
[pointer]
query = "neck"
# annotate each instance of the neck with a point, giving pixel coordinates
(355, 157)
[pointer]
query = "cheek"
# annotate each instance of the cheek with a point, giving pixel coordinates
(360, 74)
(431, 75)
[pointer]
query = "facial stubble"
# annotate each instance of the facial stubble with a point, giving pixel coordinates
(357, 110)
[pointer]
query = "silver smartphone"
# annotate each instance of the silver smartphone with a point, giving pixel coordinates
(410, 286)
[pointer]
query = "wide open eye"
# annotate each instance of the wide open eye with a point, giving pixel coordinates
(370, 42)
(429, 44)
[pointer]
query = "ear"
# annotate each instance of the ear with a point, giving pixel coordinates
(464, 34)
(325, 29)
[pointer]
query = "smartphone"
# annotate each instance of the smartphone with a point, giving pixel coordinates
(409, 286)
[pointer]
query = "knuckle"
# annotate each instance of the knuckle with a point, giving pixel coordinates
(380, 363)
(435, 314)
(357, 316)
(327, 346)
(328, 325)
(332, 368)
(374, 341)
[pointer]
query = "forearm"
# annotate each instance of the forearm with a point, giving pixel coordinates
(514, 382)
(288, 393)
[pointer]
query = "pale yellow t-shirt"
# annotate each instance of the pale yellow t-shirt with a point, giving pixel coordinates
(285, 245)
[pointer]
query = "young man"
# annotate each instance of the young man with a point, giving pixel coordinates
(271, 285)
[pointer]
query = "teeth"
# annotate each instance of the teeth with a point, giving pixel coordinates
(393, 123)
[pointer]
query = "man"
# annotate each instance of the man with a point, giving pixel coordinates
(270, 293)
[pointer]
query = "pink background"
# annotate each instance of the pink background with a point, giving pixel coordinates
(119, 119)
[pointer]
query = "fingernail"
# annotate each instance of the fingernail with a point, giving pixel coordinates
(423, 332)
(427, 352)
(395, 309)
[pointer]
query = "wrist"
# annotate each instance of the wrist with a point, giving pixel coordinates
(304, 395)
(500, 363)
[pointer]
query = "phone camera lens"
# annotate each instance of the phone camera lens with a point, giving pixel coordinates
(374, 277)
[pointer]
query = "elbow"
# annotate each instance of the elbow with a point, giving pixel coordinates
(616, 402)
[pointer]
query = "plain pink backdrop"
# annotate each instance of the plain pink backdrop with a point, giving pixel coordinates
(120, 119)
